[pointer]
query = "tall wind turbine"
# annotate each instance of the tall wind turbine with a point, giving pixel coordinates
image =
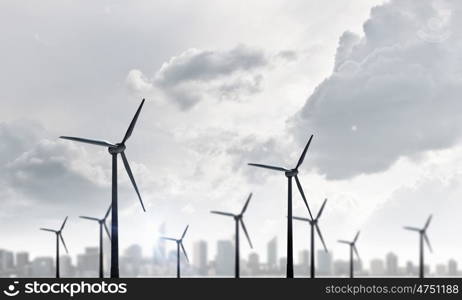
(114, 150)
(352, 249)
(102, 223)
(290, 173)
(237, 219)
(179, 243)
(59, 236)
(314, 224)
(423, 237)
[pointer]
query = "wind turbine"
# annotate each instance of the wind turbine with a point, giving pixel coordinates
(237, 219)
(352, 249)
(423, 237)
(290, 173)
(179, 243)
(314, 224)
(59, 236)
(102, 223)
(114, 150)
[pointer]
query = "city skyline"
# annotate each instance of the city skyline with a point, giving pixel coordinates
(163, 264)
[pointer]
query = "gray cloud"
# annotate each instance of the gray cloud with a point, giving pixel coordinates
(194, 74)
(392, 92)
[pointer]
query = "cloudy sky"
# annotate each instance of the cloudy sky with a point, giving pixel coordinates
(227, 83)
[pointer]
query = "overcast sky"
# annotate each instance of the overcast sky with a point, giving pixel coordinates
(227, 83)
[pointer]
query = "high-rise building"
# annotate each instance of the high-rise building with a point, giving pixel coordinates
(304, 258)
(43, 267)
(65, 266)
(254, 264)
(376, 267)
(272, 254)
(224, 261)
(440, 270)
(6, 260)
(324, 262)
(452, 268)
(22, 259)
(88, 263)
(200, 257)
(391, 262)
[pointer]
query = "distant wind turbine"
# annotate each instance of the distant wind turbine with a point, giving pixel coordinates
(290, 173)
(114, 150)
(238, 219)
(352, 249)
(179, 243)
(59, 236)
(102, 223)
(314, 224)
(422, 237)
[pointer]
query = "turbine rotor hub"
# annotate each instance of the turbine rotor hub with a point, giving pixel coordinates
(291, 173)
(118, 148)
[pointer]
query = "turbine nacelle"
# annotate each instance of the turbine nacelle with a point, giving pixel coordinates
(118, 148)
(291, 173)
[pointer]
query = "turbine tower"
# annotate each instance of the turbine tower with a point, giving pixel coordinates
(114, 150)
(102, 223)
(59, 236)
(291, 173)
(238, 219)
(352, 249)
(314, 224)
(179, 243)
(422, 237)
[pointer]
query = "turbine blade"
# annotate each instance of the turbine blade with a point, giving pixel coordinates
(184, 232)
(321, 238)
(107, 213)
(107, 230)
(428, 222)
(132, 179)
(428, 242)
(344, 242)
(356, 237)
(64, 244)
(246, 233)
(64, 223)
(221, 213)
(89, 218)
(184, 252)
(302, 157)
(88, 141)
(133, 123)
(321, 210)
(356, 251)
(411, 228)
(301, 219)
(50, 230)
(246, 204)
(269, 167)
(168, 239)
(303, 195)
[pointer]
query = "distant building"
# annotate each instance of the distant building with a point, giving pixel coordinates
(324, 263)
(88, 263)
(304, 258)
(254, 264)
(43, 267)
(377, 267)
(224, 261)
(65, 266)
(440, 270)
(200, 257)
(452, 268)
(341, 268)
(391, 264)
(272, 253)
